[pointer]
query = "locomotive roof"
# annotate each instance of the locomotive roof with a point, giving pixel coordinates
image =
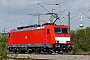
(35, 26)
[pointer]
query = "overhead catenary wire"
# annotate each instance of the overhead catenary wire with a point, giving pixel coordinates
(23, 9)
(84, 13)
(8, 13)
(43, 7)
(15, 20)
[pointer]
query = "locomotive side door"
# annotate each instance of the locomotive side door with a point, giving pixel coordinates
(47, 36)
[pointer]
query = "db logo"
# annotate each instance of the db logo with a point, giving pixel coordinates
(26, 37)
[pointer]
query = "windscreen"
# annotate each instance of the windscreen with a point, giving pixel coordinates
(61, 30)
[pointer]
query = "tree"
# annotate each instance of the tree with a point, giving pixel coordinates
(81, 40)
(3, 50)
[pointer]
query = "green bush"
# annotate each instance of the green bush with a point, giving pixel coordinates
(3, 50)
(81, 40)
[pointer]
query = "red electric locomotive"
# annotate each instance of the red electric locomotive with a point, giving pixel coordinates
(48, 37)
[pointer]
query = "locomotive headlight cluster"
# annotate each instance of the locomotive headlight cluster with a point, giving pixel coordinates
(57, 41)
(68, 41)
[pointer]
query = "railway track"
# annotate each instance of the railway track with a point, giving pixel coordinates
(28, 57)
(47, 57)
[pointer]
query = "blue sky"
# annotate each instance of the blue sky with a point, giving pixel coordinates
(13, 13)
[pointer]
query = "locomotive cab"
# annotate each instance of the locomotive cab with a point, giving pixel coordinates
(62, 35)
(58, 37)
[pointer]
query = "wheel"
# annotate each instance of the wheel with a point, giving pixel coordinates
(50, 51)
(22, 51)
(30, 51)
(60, 52)
(14, 51)
(10, 49)
(38, 50)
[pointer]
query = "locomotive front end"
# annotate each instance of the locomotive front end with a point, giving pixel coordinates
(63, 41)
